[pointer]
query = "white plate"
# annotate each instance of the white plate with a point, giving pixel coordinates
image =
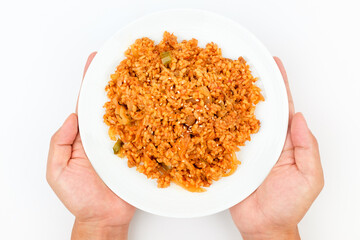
(257, 157)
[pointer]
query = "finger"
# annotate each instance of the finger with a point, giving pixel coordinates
(88, 62)
(286, 81)
(306, 149)
(287, 154)
(61, 147)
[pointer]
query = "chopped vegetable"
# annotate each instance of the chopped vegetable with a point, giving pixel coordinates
(117, 146)
(165, 58)
(207, 96)
(131, 106)
(166, 167)
(221, 113)
(191, 100)
(122, 116)
(190, 120)
(207, 100)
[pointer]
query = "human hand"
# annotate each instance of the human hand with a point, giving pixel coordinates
(100, 214)
(281, 201)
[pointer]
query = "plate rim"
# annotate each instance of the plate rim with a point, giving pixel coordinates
(264, 50)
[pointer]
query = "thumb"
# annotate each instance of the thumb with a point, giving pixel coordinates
(306, 149)
(61, 147)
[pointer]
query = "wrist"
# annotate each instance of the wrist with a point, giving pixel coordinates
(98, 231)
(278, 234)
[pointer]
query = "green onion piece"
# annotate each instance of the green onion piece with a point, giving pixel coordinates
(165, 58)
(117, 146)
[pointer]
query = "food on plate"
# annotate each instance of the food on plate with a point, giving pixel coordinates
(179, 112)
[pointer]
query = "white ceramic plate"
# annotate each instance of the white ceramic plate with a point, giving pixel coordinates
(257, 157)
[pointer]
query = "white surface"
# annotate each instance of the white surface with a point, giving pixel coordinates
(43, 49)
(259, 155)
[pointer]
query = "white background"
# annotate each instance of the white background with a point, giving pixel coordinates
(43, 49)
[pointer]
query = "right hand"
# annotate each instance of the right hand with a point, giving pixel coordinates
(281, 201)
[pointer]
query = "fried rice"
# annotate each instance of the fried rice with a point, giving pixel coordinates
(179, 112)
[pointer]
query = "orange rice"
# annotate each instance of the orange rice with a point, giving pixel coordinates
(181, 122)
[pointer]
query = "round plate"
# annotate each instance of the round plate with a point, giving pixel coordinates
(257, 157)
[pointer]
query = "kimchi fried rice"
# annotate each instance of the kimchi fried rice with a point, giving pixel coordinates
(179, 112)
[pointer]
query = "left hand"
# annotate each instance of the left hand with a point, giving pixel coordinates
(97, 209)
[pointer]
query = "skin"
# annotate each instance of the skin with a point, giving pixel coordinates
(277, 206)
(271, 212)
(100, 214)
